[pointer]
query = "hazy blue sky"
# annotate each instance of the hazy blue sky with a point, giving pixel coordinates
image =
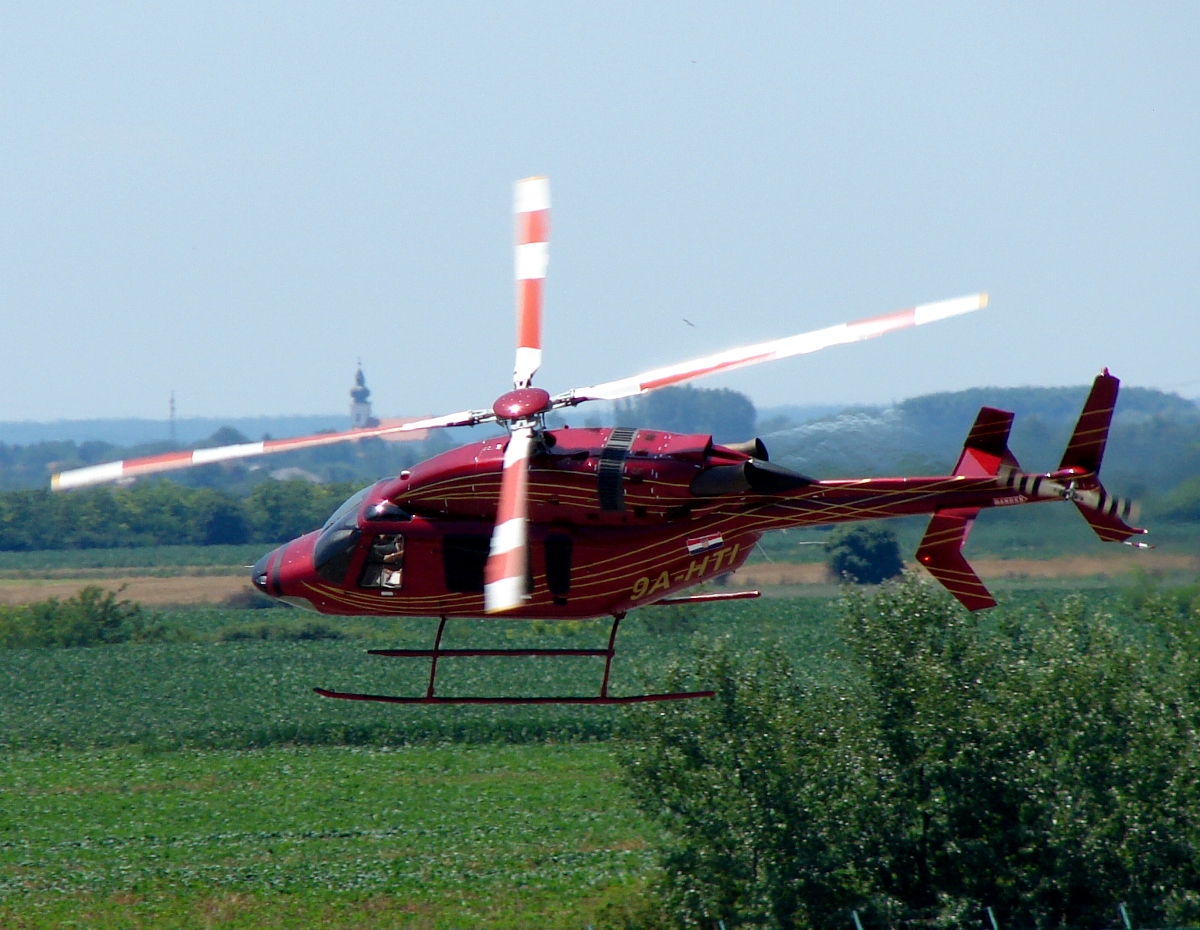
(236, 202)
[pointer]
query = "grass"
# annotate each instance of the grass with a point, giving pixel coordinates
(253, 693)
(203, 784)
(145, 557)
(530, 836)
(1042, 532)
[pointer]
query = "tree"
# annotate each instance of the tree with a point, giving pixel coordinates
(1042, 764)
(865, 553)
(282, 510)
(726, 415)
(757, 790)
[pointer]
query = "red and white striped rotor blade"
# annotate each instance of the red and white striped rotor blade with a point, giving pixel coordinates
(531, 212)
(776, 349)
(508, 557)
(397, 430)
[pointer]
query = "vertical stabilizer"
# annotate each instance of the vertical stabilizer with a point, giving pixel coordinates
(984, 455)
(986, 448)
(1085, 451)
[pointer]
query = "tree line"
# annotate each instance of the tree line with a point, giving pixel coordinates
(1042, 763)
(161, 513)
(30, 466)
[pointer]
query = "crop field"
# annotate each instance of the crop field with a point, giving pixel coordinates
(247, 692)
(27, 564)
(1051, 531)
(199, 782)
(529, 836)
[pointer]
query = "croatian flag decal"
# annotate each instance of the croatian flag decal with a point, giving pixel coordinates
(698, 544)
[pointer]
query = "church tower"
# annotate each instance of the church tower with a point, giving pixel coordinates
(360, 403)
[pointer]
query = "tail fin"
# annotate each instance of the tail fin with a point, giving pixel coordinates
(984, 455)
(1081, 462)
(986, 450)
(1085, 451)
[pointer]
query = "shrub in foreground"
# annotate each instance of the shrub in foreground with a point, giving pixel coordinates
(92, 617)
(1042, 765)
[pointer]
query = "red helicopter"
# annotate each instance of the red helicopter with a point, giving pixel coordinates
(575, 523)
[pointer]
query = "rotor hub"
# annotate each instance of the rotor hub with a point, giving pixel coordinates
(521, 404)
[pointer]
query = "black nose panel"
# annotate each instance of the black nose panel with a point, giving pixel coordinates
(258, 574)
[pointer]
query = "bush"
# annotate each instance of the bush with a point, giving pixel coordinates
(864, 553)
(280, 632)
(93, 617)
(748, 786)
(727, 415)
(669, 619)
(1041, 765)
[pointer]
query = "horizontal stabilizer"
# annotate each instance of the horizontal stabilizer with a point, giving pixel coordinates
(1109, 519)
(940, 553)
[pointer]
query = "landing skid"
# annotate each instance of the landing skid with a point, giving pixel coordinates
(437, 653)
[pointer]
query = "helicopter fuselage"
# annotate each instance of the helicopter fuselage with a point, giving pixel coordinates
(618, 518)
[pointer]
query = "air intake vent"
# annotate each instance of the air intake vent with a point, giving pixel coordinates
(611, 467)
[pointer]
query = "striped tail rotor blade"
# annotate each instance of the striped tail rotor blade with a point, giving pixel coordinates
(508, 558)
(802, 344)
(531, 208)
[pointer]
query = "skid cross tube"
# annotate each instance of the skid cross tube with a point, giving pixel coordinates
(476, 653)
(437, 652)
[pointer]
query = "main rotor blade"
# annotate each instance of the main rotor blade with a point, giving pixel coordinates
(508, 556)
(769, 351)
(531, 211)
(174, 461)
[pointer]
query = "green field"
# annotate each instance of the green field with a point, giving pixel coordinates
(201, 783)
(254, 693)
(142, 561)
(1048, 531)
(529, 836)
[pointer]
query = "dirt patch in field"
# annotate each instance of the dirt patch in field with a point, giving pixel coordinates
(153, 592)
(782, 573)
(1085, 566)
(217, 589)
(786, 573)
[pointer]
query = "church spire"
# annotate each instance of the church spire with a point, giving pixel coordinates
(360, 403)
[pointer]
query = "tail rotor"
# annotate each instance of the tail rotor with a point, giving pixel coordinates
(1080, 468)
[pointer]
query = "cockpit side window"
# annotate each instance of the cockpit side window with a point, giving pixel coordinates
(384, 567)
(335, 548)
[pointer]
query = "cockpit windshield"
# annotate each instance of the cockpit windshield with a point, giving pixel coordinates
(351, 504)
(334, 548)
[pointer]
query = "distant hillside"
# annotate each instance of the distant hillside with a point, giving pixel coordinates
(1154, 444)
